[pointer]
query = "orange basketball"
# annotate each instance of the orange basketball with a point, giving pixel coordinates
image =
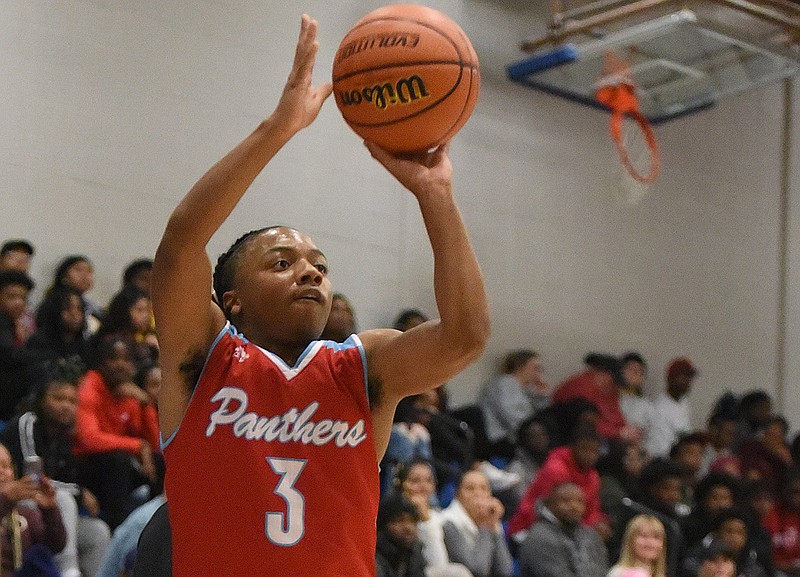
(406, 77)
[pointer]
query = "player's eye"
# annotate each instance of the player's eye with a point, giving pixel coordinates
(321, 267)
(282, 264)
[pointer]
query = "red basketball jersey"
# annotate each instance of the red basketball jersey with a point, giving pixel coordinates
(273, 469)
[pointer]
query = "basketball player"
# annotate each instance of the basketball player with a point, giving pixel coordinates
(272, 438)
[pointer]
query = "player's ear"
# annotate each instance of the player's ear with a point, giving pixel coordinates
(230, 303)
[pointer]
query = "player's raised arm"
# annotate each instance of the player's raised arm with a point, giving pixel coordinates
(429, 354)
(186, 319)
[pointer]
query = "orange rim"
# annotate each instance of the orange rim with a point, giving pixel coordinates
(621, 99)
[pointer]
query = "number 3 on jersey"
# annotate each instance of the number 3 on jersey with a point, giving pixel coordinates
(286, 529)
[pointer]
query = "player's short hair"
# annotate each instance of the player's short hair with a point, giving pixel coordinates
(227, 263)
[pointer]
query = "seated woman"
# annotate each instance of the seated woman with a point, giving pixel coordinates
(47, 432)
(473, 534)
(32, 530)
(643, 548)
(128, 317)
(61, 327)
(117, 436)
(77, 272)
(416, 482)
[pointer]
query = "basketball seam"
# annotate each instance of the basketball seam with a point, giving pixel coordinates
(403, 64)
(423, 24)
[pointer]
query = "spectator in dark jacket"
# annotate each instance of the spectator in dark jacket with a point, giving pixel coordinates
(558, 545)
(398, 552)
(17, 362)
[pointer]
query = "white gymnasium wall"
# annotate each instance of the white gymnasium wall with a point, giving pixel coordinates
(110, 110)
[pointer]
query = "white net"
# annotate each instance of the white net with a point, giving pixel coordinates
(626, 190)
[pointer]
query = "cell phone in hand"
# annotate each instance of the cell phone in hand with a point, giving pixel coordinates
(33, 467)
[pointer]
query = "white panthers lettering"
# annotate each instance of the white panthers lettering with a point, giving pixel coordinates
(294, 426)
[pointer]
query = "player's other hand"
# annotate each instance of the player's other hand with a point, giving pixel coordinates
(301, 101)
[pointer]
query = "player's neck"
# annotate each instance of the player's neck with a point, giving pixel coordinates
(288, 352)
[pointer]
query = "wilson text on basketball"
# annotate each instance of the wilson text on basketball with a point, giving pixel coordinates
(404, 91)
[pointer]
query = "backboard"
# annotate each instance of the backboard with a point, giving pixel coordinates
(679, 63)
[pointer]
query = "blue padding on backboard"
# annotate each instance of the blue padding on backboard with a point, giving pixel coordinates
(525, 72)
(534, 64)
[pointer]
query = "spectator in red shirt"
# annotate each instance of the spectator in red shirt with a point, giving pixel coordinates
(117, 436)
(783, 525)
(598, 384)
(574, 463)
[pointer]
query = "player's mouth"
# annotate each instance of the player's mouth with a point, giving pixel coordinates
(314, 295)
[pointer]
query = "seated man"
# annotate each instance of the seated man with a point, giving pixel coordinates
(558, 545)
(17, 363)
(116, 434)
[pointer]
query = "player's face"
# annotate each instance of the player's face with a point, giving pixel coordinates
(282, 291)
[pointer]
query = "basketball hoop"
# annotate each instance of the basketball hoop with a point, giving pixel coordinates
(636, 143)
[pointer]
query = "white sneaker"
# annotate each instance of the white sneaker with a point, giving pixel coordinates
(499, 480)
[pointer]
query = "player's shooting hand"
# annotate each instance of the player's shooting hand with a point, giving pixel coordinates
(301, 101)
(422, 173)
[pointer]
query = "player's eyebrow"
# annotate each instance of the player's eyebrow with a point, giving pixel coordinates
(291, 249)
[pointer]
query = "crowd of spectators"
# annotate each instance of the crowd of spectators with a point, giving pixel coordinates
(79, 440)
(586, 478)
(594, 478)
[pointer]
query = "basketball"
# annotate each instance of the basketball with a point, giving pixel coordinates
(406, 78)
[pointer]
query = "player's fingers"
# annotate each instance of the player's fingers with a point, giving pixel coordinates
(323, 91)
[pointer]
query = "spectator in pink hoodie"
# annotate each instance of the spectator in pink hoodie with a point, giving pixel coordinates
(576, 463)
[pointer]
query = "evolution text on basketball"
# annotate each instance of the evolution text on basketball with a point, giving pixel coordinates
(377, 41)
